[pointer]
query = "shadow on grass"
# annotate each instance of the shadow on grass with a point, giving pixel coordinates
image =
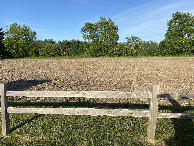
(184, 128)
(69, 104)
(25, 122)
(78, 104)
(21, 85)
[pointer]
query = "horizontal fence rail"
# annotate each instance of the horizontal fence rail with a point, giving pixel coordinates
(82, 111)
(152, 113)
(100, 112)
(87, 94)
(97, 94)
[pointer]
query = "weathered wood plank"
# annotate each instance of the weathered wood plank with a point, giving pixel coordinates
(87, 94)
(153, 113)
(81, 111)
(176, 96)
(97, 94)
(4, 113)
(88, 111)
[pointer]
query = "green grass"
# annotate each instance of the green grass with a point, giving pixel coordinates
(77, 57)
(34, 129)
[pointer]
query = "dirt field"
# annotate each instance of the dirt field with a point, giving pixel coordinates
(121, 74)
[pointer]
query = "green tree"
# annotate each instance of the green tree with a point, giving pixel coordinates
(180, 26)
(143, 48)
(1, 42)
(135, 43)
(75, 48)
(19, 40)
(103, 31)
(65, 47)
(103, 36)
(179, 37)
(49, 48)
(149, 48)
(122, 49)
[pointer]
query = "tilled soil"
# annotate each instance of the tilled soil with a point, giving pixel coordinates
(173, 74)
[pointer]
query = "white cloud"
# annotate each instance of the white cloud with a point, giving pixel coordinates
(167, 8)
(149, 20)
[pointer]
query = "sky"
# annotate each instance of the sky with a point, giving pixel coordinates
(63, 19)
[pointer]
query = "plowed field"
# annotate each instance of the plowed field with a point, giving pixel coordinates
(121, 74)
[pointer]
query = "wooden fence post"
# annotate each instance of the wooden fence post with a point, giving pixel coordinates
(4, 113)
(153, 113)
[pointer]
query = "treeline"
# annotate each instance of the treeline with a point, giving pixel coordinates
(73, 48)
(50, 48)
(101, 39)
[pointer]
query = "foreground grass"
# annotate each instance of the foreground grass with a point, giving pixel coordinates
(34, 129)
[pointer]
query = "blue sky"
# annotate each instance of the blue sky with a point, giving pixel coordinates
(63, 19)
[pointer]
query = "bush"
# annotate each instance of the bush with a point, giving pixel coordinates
(149, 48)
(123, 50)
(49, 50)
(182, 46)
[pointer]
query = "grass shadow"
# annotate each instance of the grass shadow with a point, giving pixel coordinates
(70, 104)
(21, 85)
(184, 128)
(79, 104)
(25, 122)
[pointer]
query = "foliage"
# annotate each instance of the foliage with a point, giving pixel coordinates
(102, 31)
(179, 38)
(1, 42)
(19, 40)
(34, 52)
(76, 48)
(134, 42)
(97, 49)
(180, 26)
(123, 50)
(48, 50)
(103, 35)
(149, 48)
(142, 48)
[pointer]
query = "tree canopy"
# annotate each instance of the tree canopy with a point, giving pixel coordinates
(179, 37)
(19, 40)
(180, 26)
(1, 42)
(104, 30)
(103, 36)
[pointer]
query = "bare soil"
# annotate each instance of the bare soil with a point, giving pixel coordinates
(174, 75)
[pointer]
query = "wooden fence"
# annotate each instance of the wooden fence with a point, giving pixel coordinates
(152, 113)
